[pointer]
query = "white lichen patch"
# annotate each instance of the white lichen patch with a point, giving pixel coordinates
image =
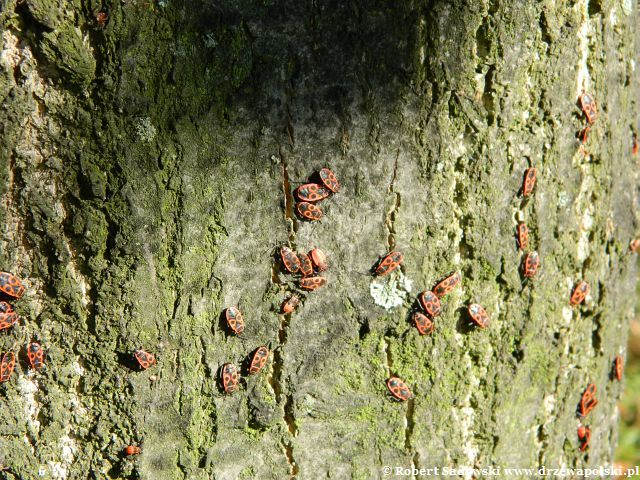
(58, 470)
(28, 388)
(585, 228)
(627, 7)
(77, 368)
(145, 130)
(464, 417)
(549, 404)
(567, 314)
(613, 17)
(390, 292)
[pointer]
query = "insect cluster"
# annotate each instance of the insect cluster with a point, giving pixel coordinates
(309, 194)
(12, 288)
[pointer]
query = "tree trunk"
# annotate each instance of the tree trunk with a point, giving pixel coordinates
(147, 176)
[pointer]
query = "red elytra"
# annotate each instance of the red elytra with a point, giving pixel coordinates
(634, 245)
(423, 323)
(329, 180)
(446, 285)
(6, 366)
(523, 236)
(11, 285)
(618, 367)
(529, 181)
(290, 260)
(35, 354)
(290, 304)
(389, 263)
(145, 359)
(430, 303)
(584, 434)
(234, 320)
(230, 378)
(531, 264)
(399, 389)
(479, 315)
(589, 107)
(588, 400)
(133, 450)
(259, 360)
(312, 283)
(8, 320)
(312, 192)
(309, 211)
(584, 134)
(306, 267)
(319, 259)
(634, 145)
(579, 293)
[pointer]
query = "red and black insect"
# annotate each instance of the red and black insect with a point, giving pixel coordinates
(306, 267)
(389, 263)
(478, 315)
(618, 367)
(423, 323)
(583, 136)
(446, 285)
(589, 107)
(529, 181)
(588, 400)
(11, 285)
(259, 360)
(230, 378)
(290, 260)
(145, 359)
(399, 389)
(309, 211)
(234, 320)
(101, 18)
(8, 318)
(531, 264)
(584, 434)
(579, 293)
(133, 450)
(312, 283)
(634, 145)
(329, 180)
(430, 303)
(6, 366)
(35, 354)
(634, 245)
(290, 304)
(312, 192)
(523, 236)
(319, 259)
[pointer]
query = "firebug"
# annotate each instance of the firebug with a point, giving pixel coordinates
(446, 285)
(618, 367)
(259, 359)
(312, 283)
(529, 181)
(319, 259)
(311, 192)
(634, 245)
(479, 315)
(234, 320)
(584, 434)
(588, 400)
(35, 354)
(290, 260)
(230, 378)
(388, 263)
(579, 293)
(133, 450)
(306, 267)
(144, 359)
(430, 303)
(6, 366)
(290, 304)
(423, 323)
(589, 107)
(399, 389)
(531, 264)
(309, 211)
(11, 285)
(329, 180)
(523, 236)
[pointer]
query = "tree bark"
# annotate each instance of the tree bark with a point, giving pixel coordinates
(147, 175)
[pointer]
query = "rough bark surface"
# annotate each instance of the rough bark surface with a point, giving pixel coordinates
(147, 168)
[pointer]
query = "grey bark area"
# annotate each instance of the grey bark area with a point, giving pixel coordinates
(147, 170)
